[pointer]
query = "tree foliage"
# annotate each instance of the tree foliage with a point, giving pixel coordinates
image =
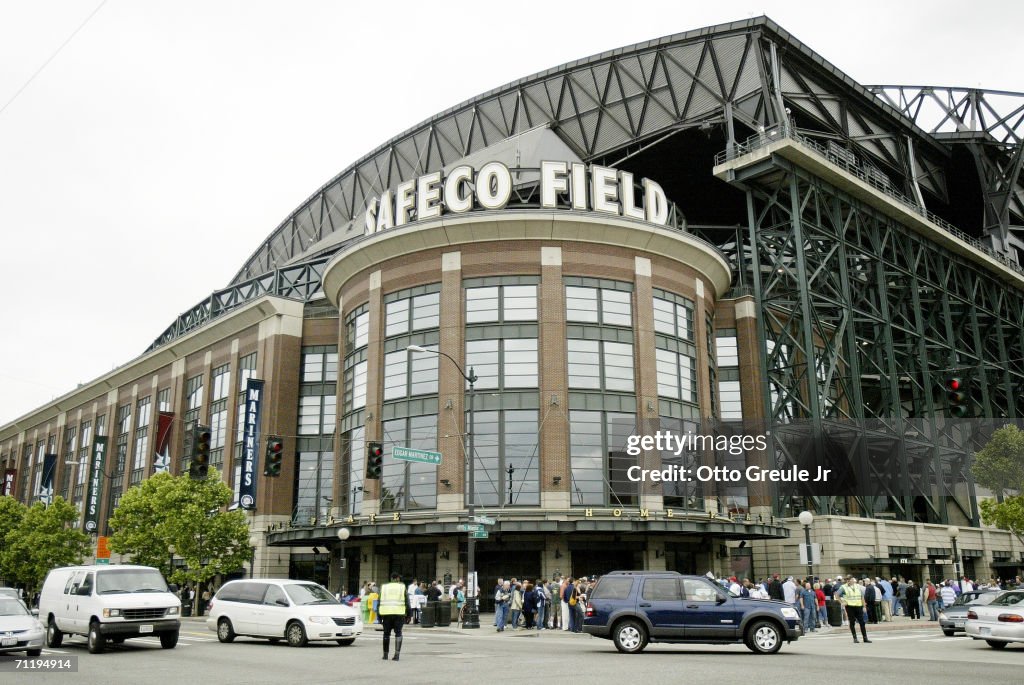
(11, 513)
(999, 466)
(165, 511)
(45, 538)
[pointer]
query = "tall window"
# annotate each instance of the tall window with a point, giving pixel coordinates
(354, 457)
(143, 414)
(318, 391)
(503, 364)
(507, 468)
(673, 315)
(598, 458)
(499, 300)
(313, 490)
(600, 302)
(69, 455)
(409, 485)
(221, 384)
(355, 381)
(357, 329)
(410, 373)
(726, 353)
(600, 365)
(124, 419)
(677, 375)
(411, 310)
(677, 493)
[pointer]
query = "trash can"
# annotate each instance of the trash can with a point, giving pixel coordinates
(428, 615)
(444, 614)
(186, 609)
(835, 612)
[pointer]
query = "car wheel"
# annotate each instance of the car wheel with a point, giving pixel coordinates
(169, 640)
(346, 643)
(54, 636)
(996, 644)
(948, 633)
(630, 637)
(96, 642)
(764, 637)
(296, 634)
(225, 632)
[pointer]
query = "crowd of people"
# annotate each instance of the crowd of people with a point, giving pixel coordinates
(557, 604)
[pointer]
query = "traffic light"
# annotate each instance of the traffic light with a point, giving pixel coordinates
(200, 463)
(275, 453)
(956, 393)
(374, 460)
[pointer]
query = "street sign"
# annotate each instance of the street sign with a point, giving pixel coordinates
(484, 520)
(102, 561)
(479, 534)
(470, 527)
(409, 454)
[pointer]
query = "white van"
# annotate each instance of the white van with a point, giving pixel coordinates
(108, 603)
(296, 610)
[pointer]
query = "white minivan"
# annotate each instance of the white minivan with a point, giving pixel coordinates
(296, 610)
(108, 603)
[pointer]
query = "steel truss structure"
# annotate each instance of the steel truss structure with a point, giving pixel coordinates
(859, 317)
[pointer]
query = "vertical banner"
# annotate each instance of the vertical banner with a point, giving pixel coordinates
(96, 476)
(250, 442)
(10, 476)
(162, 459)
(45, 493)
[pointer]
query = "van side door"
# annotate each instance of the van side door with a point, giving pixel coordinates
(82, 602)
(276, 611)
(64, 612)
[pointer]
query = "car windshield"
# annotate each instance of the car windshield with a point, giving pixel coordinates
(976, 598)
(309, 593)
(1008, 600)
(11, 607)
(126, 580)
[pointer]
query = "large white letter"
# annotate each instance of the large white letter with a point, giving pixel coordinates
(454, 200)
(386, 212)
(602, 180)
(428, 195)
(493, 185)
(370, 218)
(552, 181)
(579, 187)
(405, 199)
(655, 203)
(629, 209)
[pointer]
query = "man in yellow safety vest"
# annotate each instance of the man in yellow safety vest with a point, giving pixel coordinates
(394, 606)
(852, 596)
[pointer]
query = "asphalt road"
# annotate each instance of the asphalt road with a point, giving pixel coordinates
(909, 656)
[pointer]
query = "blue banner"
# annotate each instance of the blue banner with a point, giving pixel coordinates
(46, 483)
(251, 412)
(96, 478)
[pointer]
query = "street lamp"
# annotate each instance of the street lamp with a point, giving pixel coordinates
(254, 541)
(471, 617)
(343, 534)
(170, 561)
(954, 533)
(806, 519)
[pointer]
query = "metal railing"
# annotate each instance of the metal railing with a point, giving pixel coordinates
(868, 176)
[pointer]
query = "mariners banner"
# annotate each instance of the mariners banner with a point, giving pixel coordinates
(162, 459)
(96, 477)
(46, 482)
(250, 442)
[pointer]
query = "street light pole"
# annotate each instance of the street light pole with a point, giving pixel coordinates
(343, 534)
(954, 533)
(471, 615)
(806, 519)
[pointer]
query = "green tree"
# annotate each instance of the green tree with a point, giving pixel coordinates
(999, 467)
(170, 510)
(46, 538)
(11, 513)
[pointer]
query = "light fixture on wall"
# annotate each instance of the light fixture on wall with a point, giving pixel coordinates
(446, 554)
(554, 400)
(445, 482)
(449, 404)
(558, 553)
(659, 553)
(556, 480)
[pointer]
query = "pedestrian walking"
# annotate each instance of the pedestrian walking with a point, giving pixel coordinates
(394, 607)
(502, 599)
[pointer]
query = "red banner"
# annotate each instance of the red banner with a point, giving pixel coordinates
(162, 461)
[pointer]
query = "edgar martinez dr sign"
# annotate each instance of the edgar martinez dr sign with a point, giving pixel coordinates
(597, 189)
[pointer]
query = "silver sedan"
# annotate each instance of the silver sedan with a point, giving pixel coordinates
(1000, 622)
(20, 631)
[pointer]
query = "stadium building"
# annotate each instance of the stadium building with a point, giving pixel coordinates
(716, 228)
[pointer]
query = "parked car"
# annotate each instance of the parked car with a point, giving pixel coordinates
(1000, 622)
(19, 629)
(633, 608)
(953, 618)
(296, 610)
(108, 603)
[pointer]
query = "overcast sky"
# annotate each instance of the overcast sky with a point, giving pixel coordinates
(154, 152)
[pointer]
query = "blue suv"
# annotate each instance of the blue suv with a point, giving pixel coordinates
(633, 608)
